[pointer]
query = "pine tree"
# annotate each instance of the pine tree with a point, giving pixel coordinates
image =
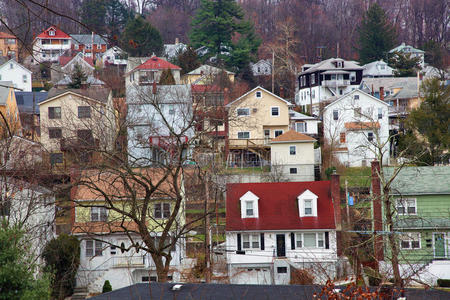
(187, 60)
(166, 78)
(93, 15)
(140, 38)
(215, 25)
(404, 64)
(376, 35)
(116, 18)
(78, 76)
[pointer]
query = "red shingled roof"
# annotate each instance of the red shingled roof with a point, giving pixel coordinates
(278, 209)
(59, 34)
(156, 63)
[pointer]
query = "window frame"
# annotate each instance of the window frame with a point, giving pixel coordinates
(96, 248)
(370, 136)
(53, 113)
(410, 238)
(342, 138)
(278, 130)
(99, 214)
(305, 127)
(242, 137)
(310, 208)
(335, 114)
(380, 113)
(277, 111)
(241, 109)
(258, 94)
(300, 240)
(293, 171)
(249, 203)
(406, 208)
(52, 131)
(59, 155)
(292, 150)
(84, 112)
(251, 240)
(163, 209)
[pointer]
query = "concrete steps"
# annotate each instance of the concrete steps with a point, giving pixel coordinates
(79, 293)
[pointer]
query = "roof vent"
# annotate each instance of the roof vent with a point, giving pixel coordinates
(177, 287)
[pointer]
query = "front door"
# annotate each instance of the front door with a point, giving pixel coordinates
(439, 245)
(281, 245)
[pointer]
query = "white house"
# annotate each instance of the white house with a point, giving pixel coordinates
(377, 69)
(276, 228)
(354, 126)
(155, 114)
(171, 51)
(407, 49)
(32, 207)
(17, 74)
(262, 67)
(325, 81)
(304, 124)
(292, 154)
(50, 45)
(141, 71)
(114, 56)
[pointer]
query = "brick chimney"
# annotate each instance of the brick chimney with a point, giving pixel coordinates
(336, 198)
(376, 214)
(154, 88)
(381, 93)
(281, 92)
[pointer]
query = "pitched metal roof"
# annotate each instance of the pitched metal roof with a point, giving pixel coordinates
(328, 65)
(208, 70)
(279, 199)
(371, 69)
(292, 136)
(96, 93)
(25, 101)
(59, 34)
(406, 48)
(84, 39)
(420, 180)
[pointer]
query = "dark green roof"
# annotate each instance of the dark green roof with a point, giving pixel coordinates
(420, 180)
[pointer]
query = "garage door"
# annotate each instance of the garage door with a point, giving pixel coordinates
(252, 276)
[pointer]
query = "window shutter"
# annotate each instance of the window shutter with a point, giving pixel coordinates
(327, 240)
(292, 241)
(262, 241)
(239, 242)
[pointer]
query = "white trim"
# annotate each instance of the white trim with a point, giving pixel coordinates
(264, 90)
(351, 97)
(405, 201)
(243, 132)
(271, 111)
(407, 237)
(238, 115)
(249, 197)
(307, 195)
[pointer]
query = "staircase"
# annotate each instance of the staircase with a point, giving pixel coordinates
(79, 293)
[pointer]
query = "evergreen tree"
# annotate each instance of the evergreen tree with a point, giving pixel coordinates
(78, 76)
(376, 35)
(62, 257)
(140, 38)
(166, 78)
(214, 27)
(187, 60)
(106, 287)
(93, 14)
(17, 269)
(427, 126)
(434, 54)
(116, 18)
(404, 64)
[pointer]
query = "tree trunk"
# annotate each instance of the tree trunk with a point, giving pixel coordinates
(162, 269)
(393, 245)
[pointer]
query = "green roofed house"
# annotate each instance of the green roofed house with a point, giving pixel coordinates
(413, 52)
(422, 206)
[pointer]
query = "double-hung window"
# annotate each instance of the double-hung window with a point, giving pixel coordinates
(84, 112)
(410, 240)
(301, 127)
(308, 207)
(161, 210)
(275, 111)
(54, 112)
(93, 248)
(310, 240)
(380, 113)
(55, 133)
(99, 214)
(370, 136)
(406, 206)
(335, 115)
(243, 135)
(250, 241)
(278, 132)
(292, 150)
(249, 209)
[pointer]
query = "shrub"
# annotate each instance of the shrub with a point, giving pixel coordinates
(302, 276)
(107, 287)
(329, 171)
(443, 282)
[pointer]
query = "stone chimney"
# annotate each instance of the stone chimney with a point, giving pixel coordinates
(381, 93)
(377, 211)
(336, 198)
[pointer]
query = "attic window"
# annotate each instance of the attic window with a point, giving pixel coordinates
(249, 205)
(51, 32)
(258, 94)
(307, 204)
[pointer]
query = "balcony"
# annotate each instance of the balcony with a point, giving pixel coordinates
(54, 46)
(398, 110)
(128, 261)
(249, 143)
(335, 83)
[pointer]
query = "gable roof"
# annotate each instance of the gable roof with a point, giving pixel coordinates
(387, 82)
(278, 208)
(420, 180)
(12, 60)
(353, 92)
(207, 70)
(99, 94)
(83, 39)
(262, 89)
(409, 49)
(156, 63)
(292, 136)
(371, 69)
(59, 34)
(295, 115)
(64, 60)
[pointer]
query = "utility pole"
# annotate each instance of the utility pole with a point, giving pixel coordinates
(273, 71)
(207, 236)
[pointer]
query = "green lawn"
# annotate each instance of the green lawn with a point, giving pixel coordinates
(356, 177)
(250, 170)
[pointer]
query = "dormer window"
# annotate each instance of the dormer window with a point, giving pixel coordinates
(51, 32)
(307, 204)
(249, 205)
(258, 94)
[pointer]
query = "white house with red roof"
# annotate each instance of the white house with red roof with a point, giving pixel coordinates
(66, 65)
(50, 45)
(278, 228)
(145, 71)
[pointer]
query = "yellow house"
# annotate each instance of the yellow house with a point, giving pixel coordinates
(9, 119)
(253, 120)
(205, 75)
(292, 154)
(74, 123)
